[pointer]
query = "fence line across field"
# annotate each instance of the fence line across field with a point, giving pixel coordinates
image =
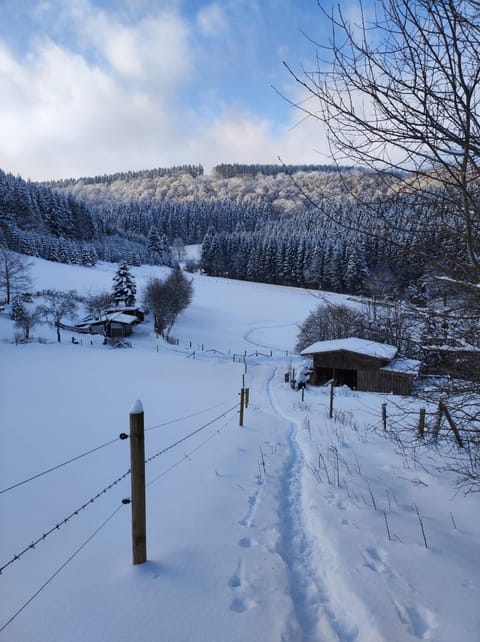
(120, 437)
(78, 510)
(186, 457)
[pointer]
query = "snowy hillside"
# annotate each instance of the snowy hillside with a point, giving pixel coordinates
(295, 527)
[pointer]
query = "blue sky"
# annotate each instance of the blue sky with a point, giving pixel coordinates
(99, 86)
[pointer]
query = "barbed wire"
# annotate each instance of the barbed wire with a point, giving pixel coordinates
(58, 525)
(187, 455)
(191, 434)
(60, 568)
(122, 436)
(69, 461)
(74, 513)
(195, 414)
(105, 522)
(124, 502)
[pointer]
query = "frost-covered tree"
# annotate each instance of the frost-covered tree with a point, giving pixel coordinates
(331, 322)
(57, 306)
(26, 319)
(124, 288)
(98, 304)
(166, 299)
(14, 273)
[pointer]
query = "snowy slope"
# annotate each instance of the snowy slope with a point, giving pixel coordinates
(295, 527)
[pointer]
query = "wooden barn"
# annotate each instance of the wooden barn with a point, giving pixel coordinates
(361, 365)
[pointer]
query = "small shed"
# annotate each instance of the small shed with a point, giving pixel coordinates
(361, 365)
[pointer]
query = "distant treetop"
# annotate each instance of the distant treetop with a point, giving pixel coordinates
(108, 179)
(230, 170)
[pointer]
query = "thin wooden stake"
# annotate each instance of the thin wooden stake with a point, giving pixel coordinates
(421, 424)
(386, 524)
(384, 415)
(247, 396)
(137, 467)
(451, 423)
(331, 396)
(242, 404)
(421, 526)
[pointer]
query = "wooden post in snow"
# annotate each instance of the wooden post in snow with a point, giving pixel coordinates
(332, 386)
(137, 468)
(242, 404)
(451, 423)
(421, 424)
(384, 415)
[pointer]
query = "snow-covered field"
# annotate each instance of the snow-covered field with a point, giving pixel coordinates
(294, 527)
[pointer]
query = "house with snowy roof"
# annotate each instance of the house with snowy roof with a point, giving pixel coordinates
(362, 365)
(116, 324)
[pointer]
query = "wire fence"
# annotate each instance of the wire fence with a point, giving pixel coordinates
(121, 436)
(105, 490)
(186, 457)
(60, 568)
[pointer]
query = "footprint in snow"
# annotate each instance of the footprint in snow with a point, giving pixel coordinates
(347, 522)
(375, 559)
(238, 605)
(234, 581)
(420, 621)
(245, 542)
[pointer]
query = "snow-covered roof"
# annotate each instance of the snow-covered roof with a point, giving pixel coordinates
(121, 318)
(353, 344)
(126, 319)
(405, 366)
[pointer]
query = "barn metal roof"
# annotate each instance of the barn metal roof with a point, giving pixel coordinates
(355, 345)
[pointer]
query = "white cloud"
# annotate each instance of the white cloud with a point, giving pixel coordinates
(114, 103)
(212, 20)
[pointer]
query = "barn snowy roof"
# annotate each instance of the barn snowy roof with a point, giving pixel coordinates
(355, 345)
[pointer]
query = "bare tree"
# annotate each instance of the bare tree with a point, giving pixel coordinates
(399, 91)
(14, 273)
(58, 306)
(98, 304)
(167, 299)
(178, 249)
(330, 322)
(26, 319)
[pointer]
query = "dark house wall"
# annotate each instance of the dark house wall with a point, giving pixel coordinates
(359, 372)
(347, 361)
(380, 381)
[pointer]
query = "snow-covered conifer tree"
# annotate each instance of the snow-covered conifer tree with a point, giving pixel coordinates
(124, 288)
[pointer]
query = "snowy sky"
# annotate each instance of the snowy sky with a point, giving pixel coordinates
(99, 86)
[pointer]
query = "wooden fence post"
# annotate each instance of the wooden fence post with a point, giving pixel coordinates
(242, 404)
(421, 424)
(384, 415)
(332, 385)
(247, 396)
(137, 474)
(438, 423)
(451, 423)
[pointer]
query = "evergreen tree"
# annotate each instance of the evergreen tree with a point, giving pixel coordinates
(124, 288)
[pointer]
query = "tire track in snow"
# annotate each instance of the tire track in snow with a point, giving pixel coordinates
(316, 618)
(246, 336)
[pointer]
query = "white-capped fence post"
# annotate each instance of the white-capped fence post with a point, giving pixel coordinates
(137, 468)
